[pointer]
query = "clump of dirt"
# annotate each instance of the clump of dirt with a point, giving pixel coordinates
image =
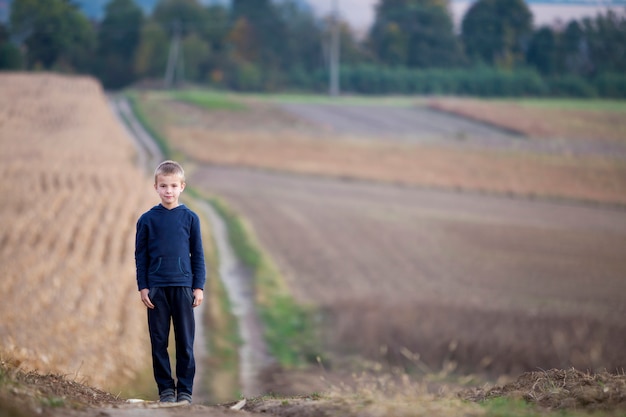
(23, 392)
(558, 389)
(28, 393)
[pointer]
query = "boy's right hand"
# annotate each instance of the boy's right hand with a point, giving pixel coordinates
(145, 299)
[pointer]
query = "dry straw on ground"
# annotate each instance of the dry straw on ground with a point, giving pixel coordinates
(72, 194)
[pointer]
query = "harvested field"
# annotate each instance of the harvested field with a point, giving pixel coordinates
(487, 280)
(478, 284)
(72, 196)
(267, 137)
(541, 122)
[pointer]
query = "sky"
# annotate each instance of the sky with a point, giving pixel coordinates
(360, 13)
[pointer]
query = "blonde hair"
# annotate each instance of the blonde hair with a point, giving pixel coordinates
(169, 168)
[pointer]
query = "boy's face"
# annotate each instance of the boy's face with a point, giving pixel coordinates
(169, 188)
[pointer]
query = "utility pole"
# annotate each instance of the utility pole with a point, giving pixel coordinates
(172, 59)
(334, 51)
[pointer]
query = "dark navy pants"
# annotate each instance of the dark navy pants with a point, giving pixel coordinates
(175, 304)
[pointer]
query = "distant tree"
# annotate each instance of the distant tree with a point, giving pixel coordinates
(10, 57)
(118, 40)
(544, 52)
(197, 54)
(414, 33)
(496, 32)
(185, 16)
(269, 31)
(606, 38)
(151, 57)
(245, 45)
(191, 26)
(303, 43)
(353, 51)
(216, 27)
(575, 50)
(52, 32)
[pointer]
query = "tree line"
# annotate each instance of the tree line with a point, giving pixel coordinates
(263, 45)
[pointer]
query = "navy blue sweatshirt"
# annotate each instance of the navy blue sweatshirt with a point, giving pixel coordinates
(168, 249)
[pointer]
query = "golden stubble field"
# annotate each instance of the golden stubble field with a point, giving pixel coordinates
(71, 196)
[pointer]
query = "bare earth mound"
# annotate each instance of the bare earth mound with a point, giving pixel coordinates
(558, 389)
(23, 394)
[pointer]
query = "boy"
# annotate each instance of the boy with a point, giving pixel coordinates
(170, 278)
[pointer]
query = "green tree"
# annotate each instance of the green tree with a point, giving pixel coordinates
(414, 33)
(303, 43)
(575, 51)
(543, 51)
(182, 16)
(216, 28)
(10, 57)
(496, 32)
(606, 39)
(197, 54)
(195, 30)
(151, 57)
(52, 32)
(269, 31)
(118, 40)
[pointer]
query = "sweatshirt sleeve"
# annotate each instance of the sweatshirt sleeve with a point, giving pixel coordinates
(141, 255)
(198, 267)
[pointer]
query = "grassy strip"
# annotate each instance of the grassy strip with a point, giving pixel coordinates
(223, 341)
(210, 100)
(599, 105)
(518, 407)
(137, 106)
(223, 335)
(289, 329)
(215, 100)
(351, 100)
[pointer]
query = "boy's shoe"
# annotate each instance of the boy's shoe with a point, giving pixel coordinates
(184, 397)
(167, 396)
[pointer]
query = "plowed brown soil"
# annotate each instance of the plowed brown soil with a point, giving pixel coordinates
(489, 282)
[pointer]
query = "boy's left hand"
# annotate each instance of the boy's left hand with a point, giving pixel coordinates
(198, 296)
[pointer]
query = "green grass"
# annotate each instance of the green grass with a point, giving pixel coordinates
(224, 340)
(216, 100)
(517, 407)
(353, 100)
(137, 107)
(289, 330)
(213, 100)
(207, 99)
(575, 104)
